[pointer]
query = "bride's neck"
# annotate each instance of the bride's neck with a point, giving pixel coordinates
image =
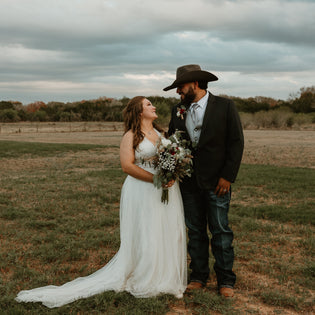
(147, 126)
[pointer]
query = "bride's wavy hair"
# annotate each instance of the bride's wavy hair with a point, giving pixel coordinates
(132, 119)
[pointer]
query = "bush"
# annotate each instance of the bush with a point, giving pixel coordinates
(39, 115)
(290, 121)
(275, 119)
(65, 116)
(306, 102)
(302, 119)
(9, 115)
(6, 105)
(69, 116)
(250, 105)
(164, 113)
(247, 120)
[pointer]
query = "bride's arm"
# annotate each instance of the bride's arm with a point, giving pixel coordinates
(127, 159)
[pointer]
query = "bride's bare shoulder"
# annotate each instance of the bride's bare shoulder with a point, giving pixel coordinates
(127, 138)
(128, 135)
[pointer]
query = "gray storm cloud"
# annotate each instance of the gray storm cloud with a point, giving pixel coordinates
(81, 49)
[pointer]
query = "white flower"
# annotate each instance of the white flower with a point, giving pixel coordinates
(182, 152)
(166, 142)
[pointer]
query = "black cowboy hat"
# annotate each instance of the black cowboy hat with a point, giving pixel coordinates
(190, 73)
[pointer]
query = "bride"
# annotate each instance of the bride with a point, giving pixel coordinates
(152, 254)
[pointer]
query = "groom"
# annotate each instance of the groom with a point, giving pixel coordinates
(214, 128)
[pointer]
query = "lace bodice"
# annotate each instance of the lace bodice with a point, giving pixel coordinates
(146, 150)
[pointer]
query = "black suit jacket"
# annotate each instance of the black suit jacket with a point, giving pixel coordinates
(220, 148)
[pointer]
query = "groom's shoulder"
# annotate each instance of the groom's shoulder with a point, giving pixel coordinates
(223, 102)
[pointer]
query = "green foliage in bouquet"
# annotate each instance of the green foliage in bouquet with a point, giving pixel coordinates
(173, 161)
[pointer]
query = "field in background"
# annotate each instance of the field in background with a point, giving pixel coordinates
(59, 219)
(273, 147)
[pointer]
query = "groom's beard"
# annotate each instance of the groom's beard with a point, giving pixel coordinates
(188, 98)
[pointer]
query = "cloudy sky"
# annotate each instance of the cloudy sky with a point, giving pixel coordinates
(69, 50)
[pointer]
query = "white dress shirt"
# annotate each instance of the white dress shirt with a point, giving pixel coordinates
(194, 127)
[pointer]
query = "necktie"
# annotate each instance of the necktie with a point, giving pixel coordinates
(194, 114)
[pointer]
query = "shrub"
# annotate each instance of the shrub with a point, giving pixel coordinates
(39, 115)
(290, 121)
(302, 119)
(65, 116)
(247, 120)
(164, 113)
(6, 105)
(9, 115)
(306, 102)
(274, 119)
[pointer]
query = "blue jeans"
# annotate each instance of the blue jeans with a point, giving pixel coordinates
(204, 209)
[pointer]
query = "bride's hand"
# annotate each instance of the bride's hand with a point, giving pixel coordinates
(169, 184)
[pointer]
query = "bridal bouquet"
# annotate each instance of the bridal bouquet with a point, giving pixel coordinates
(173, 161)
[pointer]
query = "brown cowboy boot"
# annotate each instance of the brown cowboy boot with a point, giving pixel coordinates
(226, 292)
(194, 285)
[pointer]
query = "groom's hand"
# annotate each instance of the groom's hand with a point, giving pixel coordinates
(223, 187)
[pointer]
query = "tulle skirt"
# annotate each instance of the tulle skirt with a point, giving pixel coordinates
(152, 256)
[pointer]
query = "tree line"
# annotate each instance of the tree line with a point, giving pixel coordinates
(110, 109)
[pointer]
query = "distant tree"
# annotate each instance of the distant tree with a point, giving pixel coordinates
(110, 109)
(6, 105)
(266, 100)
(250, 105)
(17, 104)
(40, 115)
(124, 101)
(34, 107)
(163, 110)
(168, 101)
(65, 116)
(305, 103)
(86, 109)
(9, 115)
(54, 110)
(283, 105)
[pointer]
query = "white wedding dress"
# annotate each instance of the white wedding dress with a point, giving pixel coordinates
(152, 254)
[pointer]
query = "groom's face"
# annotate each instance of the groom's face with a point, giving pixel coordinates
(187, 93)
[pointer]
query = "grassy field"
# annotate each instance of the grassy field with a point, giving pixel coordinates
(59, 219)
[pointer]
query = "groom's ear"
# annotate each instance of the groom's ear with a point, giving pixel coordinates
(196, 85)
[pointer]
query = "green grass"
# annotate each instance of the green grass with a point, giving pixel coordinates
(14, 149)
(280, 194)
(205, 302)
(59, 219)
